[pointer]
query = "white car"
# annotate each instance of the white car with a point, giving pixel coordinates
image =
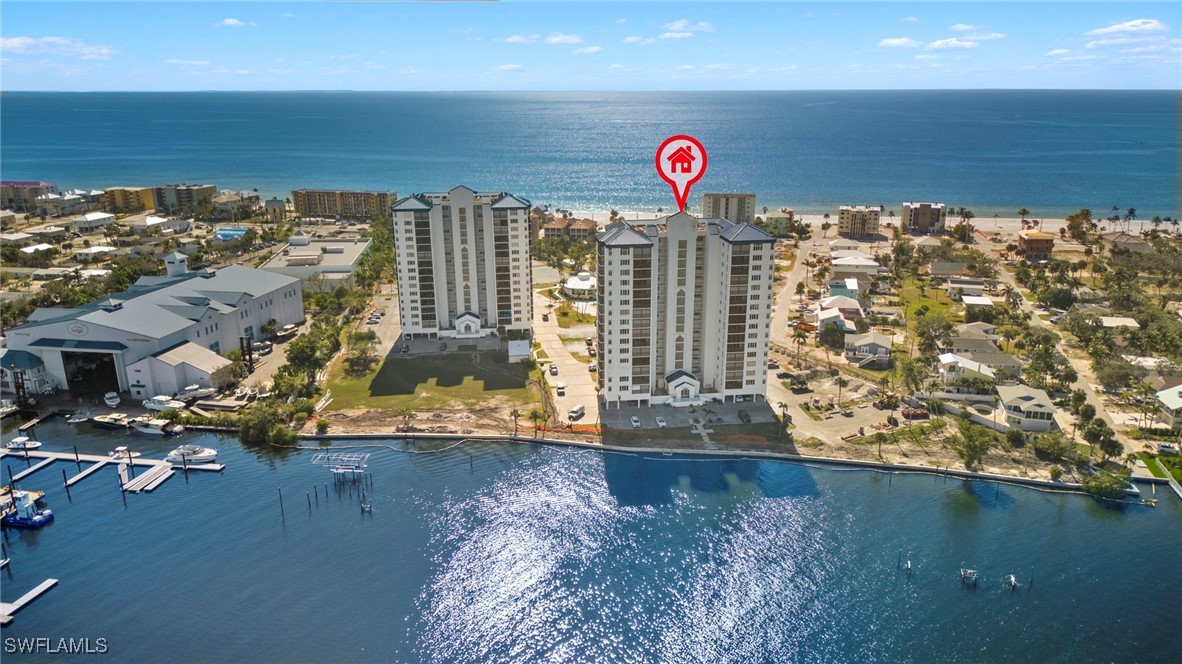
(661, 422)
(635, 422)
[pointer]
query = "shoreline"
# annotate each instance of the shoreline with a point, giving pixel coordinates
(852, 464)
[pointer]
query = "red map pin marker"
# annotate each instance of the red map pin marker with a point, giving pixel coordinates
(681, 161)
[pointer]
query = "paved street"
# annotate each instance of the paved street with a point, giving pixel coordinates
(573, 373)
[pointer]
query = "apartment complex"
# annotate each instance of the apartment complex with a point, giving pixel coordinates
(926, 218)
(21, 196)
(1036, 245)
(130, 199)
(739, 208)
(858, 220)
(685, 307)
(180, 198)
(463, 263)
(341, 203)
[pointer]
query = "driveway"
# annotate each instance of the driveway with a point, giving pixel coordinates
(580, 383)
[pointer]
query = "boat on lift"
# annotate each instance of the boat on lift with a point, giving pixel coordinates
(122, 453)
(192, 454)
(23, 443)
(156, 427)
(112, 421)
(162, 402)
(112, 399)
(195, 391)
(24, 509)
(968, 576)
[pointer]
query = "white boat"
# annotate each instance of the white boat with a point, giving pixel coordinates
(23, 443)
(156, 427)
(1012, 581)
(112, 421)
(968, 576)
(8, 407)
(111, 399)
(265, 390)
(161, 403)
(79, 417)
(196, 392)
(240, 393)
(252, 393)
(122, 452)
(192, 454)
(286, 330)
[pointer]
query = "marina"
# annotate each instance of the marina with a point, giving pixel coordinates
(159, 469)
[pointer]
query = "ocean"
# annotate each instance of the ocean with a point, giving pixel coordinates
(993, 151)
(502, 552)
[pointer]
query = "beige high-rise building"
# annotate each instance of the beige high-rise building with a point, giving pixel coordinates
(685, 308)
(858, 220)
(463, 263)
(130, 199)
(342, 203)
(927, 218)
(183, 198)
(739, 208)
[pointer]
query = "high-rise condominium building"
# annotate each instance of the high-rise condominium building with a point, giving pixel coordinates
(927, 218)
(685, 306)
(339, 203)
(858, 220)
(739, 208)
(182, 198)
(463, 263)
(130, 199)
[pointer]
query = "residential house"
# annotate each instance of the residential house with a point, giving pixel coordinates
(16, 239)
(31, 368)
(868, 348)
(843, 288)
(858, 268)
(778, 223)
(834, 317)
(93, 254)
(1122, 240)
(960, 287)
(849, 307)
(1112, 322)
(555, 228)
(276, 210)
(928, 242)
(976, 301)
(1004, 365)
(978, 330)
(1169, 402)
(582, 230)
(844, 244)
(945, 269)
(48, 233)
(1027, 408)
(955, 370)
(1036, 245)
(965, 345)
(92, 221)
(152, 225)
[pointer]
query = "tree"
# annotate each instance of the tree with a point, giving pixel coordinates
(536, 416)
(1022, 213)
(1084, 416)
(799, 337)
(842, 382)
(880, 438)
(1105, 485)
(800, 289)
(265, 424)
(1110, 446)
(826, 226)
(1094, 432)
(971, 442)
(832, 336)
(516, 415)
(406, 415)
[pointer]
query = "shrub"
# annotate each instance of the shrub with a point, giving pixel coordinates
(321, 427)
(1056, 473)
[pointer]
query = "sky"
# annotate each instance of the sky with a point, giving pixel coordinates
(142, 46)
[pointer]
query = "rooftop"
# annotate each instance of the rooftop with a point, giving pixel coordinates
(976, 301)
(341, 253)
(1025, 396)
(1118, 321)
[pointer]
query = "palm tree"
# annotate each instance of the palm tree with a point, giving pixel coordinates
(1022, 213)
(536, 417)
(515, 414)
(800, 288)
(800, 338)
(841, 382)
(1130, 215)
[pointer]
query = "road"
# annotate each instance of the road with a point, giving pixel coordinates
(580, 383)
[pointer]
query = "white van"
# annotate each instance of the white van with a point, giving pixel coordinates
(577, 412)
(561, 388)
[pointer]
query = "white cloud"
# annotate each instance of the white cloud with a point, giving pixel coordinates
(287, 15)
(718, 67)
(231, 23)
(1118, 41)
(943, 44)
(243, 72)
(675, 35)
(927, 56)
(406, 71)
(643, 41)
(621, 21)
(193, 63)
(683, 25)
(510, 68)
(911, 19)
(63, 46)
(963, 27)
(1057, 52)
(561, 38)
(1136, 25)
(521, 39)
(982, 36)
(1147, 49)
(898, 42)
(589, 50)
(1072, 58)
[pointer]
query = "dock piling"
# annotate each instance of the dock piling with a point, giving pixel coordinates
(77, 459)
(66, 483)
(317, 492)
(309, 497)
(281, 513)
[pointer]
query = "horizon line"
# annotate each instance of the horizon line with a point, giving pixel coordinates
(730, 90)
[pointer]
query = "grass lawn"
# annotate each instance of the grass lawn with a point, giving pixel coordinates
(568, 317)
(1172, 464)
(1154, 469)
(436, 380)
(934, 298)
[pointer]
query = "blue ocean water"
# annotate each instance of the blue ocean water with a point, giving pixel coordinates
(498, 552)
(991, 151)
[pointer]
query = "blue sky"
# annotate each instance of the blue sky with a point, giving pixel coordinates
(588, 46)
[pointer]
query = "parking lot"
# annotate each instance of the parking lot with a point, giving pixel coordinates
(714, 413)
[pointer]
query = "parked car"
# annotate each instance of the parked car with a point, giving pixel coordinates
(405, 348)
(591, 351)
(577, 412)
(589, 341)
(783, 375)
(372, 321)
(553, 369)
(592, 367)
(661, 422)
(635, 422)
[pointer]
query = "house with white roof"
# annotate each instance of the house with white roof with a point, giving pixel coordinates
(856, 267)
(843, 244)
(153, 224)
(834, 317)
(958, 288)
(846, 287)
(1111, 322)
(92, 221)
(956, 369)
(36, 248)
(1027, 408)
(1169, 402)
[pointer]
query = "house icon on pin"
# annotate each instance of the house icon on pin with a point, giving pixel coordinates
(682, 160)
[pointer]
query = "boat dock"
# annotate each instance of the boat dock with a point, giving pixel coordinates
(8, 609)
(159, 470)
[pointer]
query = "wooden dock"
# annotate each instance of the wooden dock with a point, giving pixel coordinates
(8, 609)
(29, 471)
(82, 475)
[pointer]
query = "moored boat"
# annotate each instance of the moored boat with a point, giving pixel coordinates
(161, 403)
(195, 392)
(286, 331)
(156, 427)
(112, 399)
(23, 443)
(79, 416)
(968, 576)
(26, 510)
(122, 452)
(265, 390)
(192, 454)
(112, 421)
(8, 407)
